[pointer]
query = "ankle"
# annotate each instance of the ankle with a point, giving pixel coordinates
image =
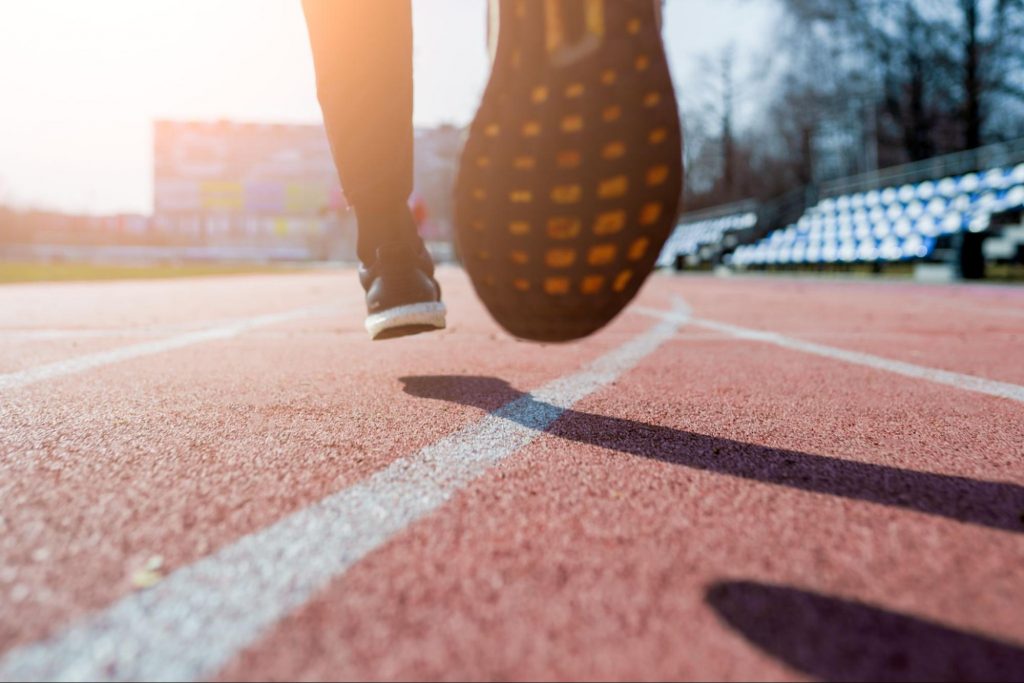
(388, 226)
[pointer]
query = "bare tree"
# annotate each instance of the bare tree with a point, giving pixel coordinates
(854, 85)
(943, 67)
(986, 46)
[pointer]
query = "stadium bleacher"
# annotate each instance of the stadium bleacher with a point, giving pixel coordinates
(690, 237)
(892, 224)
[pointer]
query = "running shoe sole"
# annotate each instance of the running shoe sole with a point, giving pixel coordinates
(403, 321)
(572, 173)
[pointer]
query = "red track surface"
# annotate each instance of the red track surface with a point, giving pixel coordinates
(726, 509)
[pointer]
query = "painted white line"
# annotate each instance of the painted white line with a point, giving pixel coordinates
(980, 385)
(195, 621)
(49, 334)
(56, 335)
(71, 366)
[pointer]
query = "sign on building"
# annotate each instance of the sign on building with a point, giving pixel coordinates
(251, 184)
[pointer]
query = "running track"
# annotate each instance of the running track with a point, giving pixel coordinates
(739, 479)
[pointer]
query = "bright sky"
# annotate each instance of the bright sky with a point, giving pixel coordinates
(81, 80)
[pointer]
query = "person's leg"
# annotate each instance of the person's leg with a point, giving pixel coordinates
(362, 51)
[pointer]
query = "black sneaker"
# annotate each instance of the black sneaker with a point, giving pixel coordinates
(402, 296)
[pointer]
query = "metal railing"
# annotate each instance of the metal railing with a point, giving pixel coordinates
(733, 208)
(787, 208)
(1008, 153)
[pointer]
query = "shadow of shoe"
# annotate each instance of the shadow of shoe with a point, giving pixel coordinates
(840, 640)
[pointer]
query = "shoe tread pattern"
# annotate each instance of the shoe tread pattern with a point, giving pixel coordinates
(572, 173)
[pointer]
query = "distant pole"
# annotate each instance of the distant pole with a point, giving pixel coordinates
(871, 138)
(728, 103)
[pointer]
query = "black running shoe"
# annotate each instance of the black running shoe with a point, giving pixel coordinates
(402, 296)
(571, 177)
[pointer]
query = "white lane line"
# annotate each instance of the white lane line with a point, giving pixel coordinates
(49, 334)
(201, 616)
(57, 335)
(980, 385)
(21, 378)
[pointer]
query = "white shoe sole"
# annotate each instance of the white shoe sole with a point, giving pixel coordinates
(429, 314)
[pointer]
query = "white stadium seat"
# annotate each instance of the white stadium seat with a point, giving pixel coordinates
(848, 252)
(937, 207)
(914, 247)
(926, 226)
(799, 252)
(987, 200)
(1015, 197)
(952, 222)
(891, 250)
(969, 183)
(926, 190)
(866, 251)
(891, 224)
(996, 179)
(947, 187)
(979, 222)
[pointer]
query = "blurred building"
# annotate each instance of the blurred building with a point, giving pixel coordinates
(437, 153)
(270, 191)
(266, 191)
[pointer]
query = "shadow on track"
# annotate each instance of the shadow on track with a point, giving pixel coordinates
(839, 640)
(985, 503)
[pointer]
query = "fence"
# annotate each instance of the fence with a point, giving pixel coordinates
(1008, 153)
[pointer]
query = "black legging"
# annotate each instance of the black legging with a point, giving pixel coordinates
(362, 50)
